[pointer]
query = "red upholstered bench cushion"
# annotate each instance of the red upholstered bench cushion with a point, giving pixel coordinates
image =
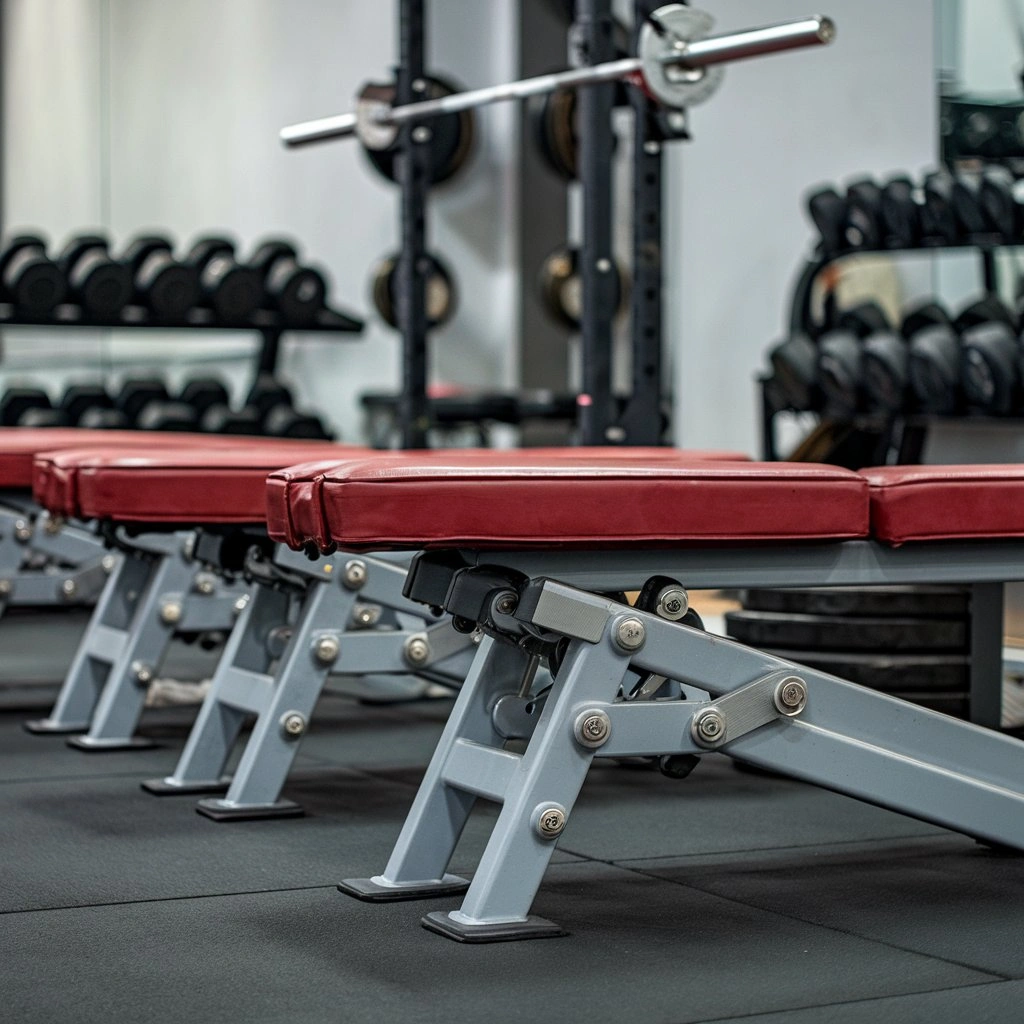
(946, 502)
(294, 495)
(507, 500)
(183, 484)
(20, 445)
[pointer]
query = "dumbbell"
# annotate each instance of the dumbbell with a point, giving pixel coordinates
(968, 208)
(104, 419)
(99, 284)
(266, 394)
(795, 368)
(840, 358)
(167, 288)
(29, 279)
(202, 393)
(449, 137)
(997, 195)
(933, 359)
(561, 287)
(297, 292)
(18, 401)
(232, 290)
(939, 222)
(901, 215)
(274, 406)
(990, 354)
(136, 393)
(828, 212)
(78, 398)
(864, 227)
(441, 295)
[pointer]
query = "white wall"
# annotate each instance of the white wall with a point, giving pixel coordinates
(173, 111)
(737, 226)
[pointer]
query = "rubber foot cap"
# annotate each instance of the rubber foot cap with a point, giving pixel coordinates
(42, 726)
(367, 890)
(102, 746)
(219, 810)
(532, 928)
(161, 787)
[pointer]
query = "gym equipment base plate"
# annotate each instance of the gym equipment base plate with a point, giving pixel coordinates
(532, 928)
(162, 787)
(221, 810)
(42, 726)
(87, 743)
(369, 891)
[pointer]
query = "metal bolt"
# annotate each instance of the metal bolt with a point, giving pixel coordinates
(673, 603)
(604, 264)
(592, 728)
(708, 728)
(677, 121)
(293, 724)
(630, 633)
(143, 673)
(506, 603)
(549, 820)
(5, 588)
(108, 563)
(790, 696)
(652, 148)
(419, 85)
(170, 612)
(366, 615)
(22, 531)
(68, 589)
(188, 547)
(204, 584)
(421, 133)
(355, 574)
(239, 605)
(615, 434)
(52, 524)
(327, 649)
(416, 650)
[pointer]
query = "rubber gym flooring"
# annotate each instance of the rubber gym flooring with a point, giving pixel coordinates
(728, 896)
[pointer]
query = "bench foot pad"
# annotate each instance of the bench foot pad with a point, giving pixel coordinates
(42, 726)
(367, 890)
(532, 928)
(221, 810)
(161, 787)
(102, 746)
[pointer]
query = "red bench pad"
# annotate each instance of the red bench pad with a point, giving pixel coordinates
(509, 501)
(171, 485)
(946, 502)
(294, 496)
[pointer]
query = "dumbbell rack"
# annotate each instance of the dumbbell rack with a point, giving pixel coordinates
(901, 432)
(266, 323)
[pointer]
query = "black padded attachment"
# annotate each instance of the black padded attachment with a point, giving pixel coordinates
(101, 285)
(864, 227)
(934, 369)
(827, 210)
(939, 223)
(900, 214)
(841, 372)
(29, 278)
(886, 360)
(795, 367)
(17, 401)
(79, 397)
(473, 589)
(991, 378)
(431, 575)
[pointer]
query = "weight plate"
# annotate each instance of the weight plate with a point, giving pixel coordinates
(894, 673)
(915, 602)
(846, 633)
(677, 87)
(441, 296)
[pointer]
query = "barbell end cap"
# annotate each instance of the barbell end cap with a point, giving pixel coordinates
(826, 29)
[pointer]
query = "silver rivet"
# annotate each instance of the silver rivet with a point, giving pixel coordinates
(170, 612)
(790, 696)
(630, 633)
(592, 728)
(108, 564)
(293, 724)
(143, 673)
(652, 148)
(604, 265)
(366, 615)
(615, 434)
(708, 728)
(22, 531)
(416, 650)
(549, 820)
(673, 603)
(239, 605)
(355, 574)
(327, 649)
(506, 603)
(421, 133)
(68, 588)
(419, 85)
(53, 524)
(677, 121)
(5, 587)
(204, 584)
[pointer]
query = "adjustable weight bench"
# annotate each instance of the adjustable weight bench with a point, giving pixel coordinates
(546, 582)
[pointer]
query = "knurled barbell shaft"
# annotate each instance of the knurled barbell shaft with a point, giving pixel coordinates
(757, 42)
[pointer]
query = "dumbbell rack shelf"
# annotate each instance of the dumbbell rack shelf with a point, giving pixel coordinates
(902, 433)
(268, 324)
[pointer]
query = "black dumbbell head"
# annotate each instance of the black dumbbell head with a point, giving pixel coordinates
(934, 368)
(17, 401)
(165, 415)
(886, 363)
(141, 247)
(864, 214)
(104, 419)
(827, 209)
(841, 372)
(925, 314)
(219, 419)
(269, 250)
(205, 248)
(296, 292)
(29, 278)
(863, 319)
(102, 286)
(283, 421)
(43, 418)
(999, 204)
(939, 223)
(982, 311)
(268, 393)
(79, 397)
(203, 392)
(901, 215)
(795, 366)
(232, 290)
(991, 378)
(137, 392)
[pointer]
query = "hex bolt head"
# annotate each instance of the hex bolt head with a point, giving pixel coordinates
(506, 603)
(143, 673)
(421, 133)
(204, 584)
(22, 531)
(239, 605)
(5, 588)
(630, 633)
(790, 696)
(326, 649)
(673, 603)
(366, 615)
(293, 724)
(549, 820)
(170, 612)
(592, 728)
(354, 575)
(53, 524)
(108, 563)
(708, 727)
(416, 650)
(68, 589)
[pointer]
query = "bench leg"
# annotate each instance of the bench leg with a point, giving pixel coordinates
(986, 664)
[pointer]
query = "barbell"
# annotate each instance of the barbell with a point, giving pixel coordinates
(677, 62)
